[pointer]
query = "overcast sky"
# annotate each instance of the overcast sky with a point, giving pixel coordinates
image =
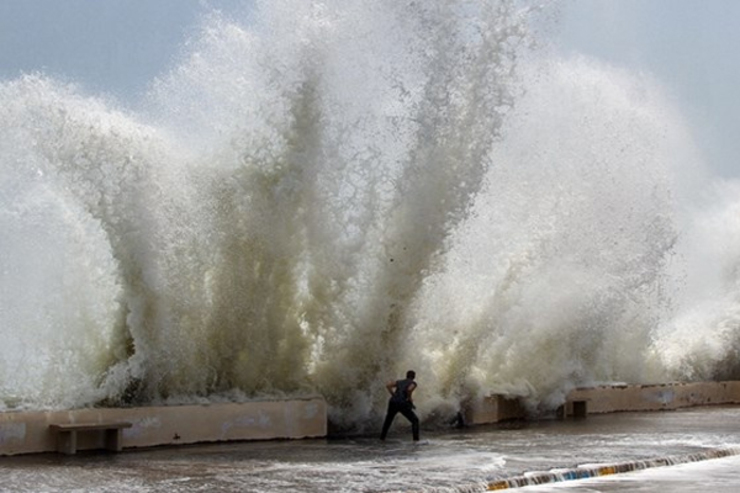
(119, 46)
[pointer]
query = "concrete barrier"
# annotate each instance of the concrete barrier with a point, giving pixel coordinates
(620, 398)
(30, 432)
(492, 409)
(609, 399)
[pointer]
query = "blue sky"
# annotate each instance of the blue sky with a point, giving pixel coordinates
(118, 46)
(111, 46)
(691, 46)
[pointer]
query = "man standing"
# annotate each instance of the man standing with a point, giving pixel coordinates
(401, 402)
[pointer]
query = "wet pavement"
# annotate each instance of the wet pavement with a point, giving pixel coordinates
(445, 460)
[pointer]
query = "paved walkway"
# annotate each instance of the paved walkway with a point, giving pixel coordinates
(445, 461)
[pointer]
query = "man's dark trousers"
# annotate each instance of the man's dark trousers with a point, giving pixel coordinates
(408, 412)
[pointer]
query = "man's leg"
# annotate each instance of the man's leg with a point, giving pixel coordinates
(390, 415)
(409, 414)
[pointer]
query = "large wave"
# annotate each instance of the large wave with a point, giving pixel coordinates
(325, 194)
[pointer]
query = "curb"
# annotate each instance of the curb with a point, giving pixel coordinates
(593, 471)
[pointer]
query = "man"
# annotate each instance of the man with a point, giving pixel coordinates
(401, 402)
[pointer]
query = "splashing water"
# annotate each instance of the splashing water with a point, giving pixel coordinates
(331, 193)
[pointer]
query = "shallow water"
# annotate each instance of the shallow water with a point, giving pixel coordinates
(445, 460)
(715, 476)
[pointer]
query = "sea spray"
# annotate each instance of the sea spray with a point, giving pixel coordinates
(326, 194)
(60, 281)
(361, 186)
(557, 276)
(701, 341)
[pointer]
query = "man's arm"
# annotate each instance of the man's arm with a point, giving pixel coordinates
(391, 386)
(409, 391)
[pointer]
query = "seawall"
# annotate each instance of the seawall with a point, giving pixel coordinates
(664, 397)
(29, 432)
(611, 398)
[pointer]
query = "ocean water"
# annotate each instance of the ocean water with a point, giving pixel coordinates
(323, 195)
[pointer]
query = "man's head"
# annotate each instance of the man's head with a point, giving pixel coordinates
(411, 374)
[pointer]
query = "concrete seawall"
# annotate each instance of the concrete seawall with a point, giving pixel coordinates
(620, 398)
(29, 432)
(610, 399)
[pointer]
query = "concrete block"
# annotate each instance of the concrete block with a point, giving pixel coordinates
(493, 409)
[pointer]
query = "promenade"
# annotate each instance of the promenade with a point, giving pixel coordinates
(448, 460)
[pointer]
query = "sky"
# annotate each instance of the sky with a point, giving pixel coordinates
(690, 46)
(117, 47)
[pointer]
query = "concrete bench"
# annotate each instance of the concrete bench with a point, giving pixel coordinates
(67, 435)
